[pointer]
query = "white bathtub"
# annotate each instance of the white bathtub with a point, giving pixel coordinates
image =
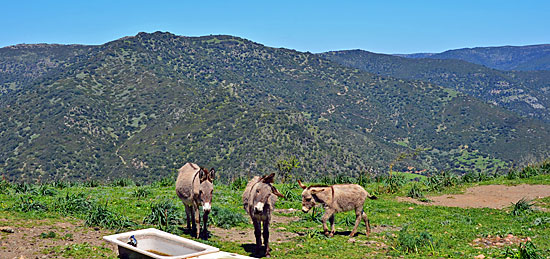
(153, 243)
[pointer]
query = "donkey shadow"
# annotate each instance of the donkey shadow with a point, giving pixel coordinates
(190, 232)
(251, 250)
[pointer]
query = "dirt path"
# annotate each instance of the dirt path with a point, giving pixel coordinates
(26, 242)
(487, 196)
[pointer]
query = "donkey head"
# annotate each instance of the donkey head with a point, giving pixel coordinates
(308, 196)
(262, 192)
(206, 188)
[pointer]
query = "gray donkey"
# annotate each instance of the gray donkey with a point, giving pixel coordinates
(337, 198)
(194, 187)
(259, 199)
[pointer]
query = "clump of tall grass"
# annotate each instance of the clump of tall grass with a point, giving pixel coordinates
(100, 215)
(123, 182)
(413, 242)
(522, 207)
(27, 203)
(416, 191)
(238, 183)
(72, 204)
(5, 186)
(526, 250)
(164, 182)
(165, 215)
(226, 218)
(142, 192)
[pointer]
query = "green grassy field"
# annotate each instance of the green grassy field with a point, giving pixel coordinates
(400, 229)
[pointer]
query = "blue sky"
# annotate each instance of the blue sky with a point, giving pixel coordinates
(380, 26)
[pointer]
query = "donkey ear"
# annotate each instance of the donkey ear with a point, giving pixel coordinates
(202, 174)
(301, 184)
(211, 174)
(268, 178)
(276, 192)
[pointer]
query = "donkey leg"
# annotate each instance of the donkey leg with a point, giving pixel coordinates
(188, 216)
(366, 220)
(326, 216)
(204, 223)
(266, 237)
(333, 228)
(258, 235)
(358, 217)
(197, 219)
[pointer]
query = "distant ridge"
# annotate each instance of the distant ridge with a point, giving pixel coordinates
(523, 58)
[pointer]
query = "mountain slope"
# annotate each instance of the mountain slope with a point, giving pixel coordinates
(526, 93)
(142, 106)
(525, 58)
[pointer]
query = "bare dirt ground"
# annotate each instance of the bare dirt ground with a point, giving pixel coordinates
(277, 233)
(26, 242)
(487, 196)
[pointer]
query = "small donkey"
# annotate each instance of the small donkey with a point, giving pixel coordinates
(259, 199)
(337, 198)
(194, 187)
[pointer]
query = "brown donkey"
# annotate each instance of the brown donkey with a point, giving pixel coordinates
(337, 198)
(194, 187)
(259, 199)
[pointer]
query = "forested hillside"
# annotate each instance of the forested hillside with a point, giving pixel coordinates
(142, 106)
(525, 93)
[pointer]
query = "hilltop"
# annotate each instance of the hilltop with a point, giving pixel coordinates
(142, 106)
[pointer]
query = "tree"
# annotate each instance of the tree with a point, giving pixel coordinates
(285, 167)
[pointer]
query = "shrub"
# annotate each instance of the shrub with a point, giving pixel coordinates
(226, 218)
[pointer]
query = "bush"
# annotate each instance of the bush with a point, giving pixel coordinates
(226, 218)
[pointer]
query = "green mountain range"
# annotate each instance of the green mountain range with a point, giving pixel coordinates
(142, 106)
(524, 92)
(524, 58)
